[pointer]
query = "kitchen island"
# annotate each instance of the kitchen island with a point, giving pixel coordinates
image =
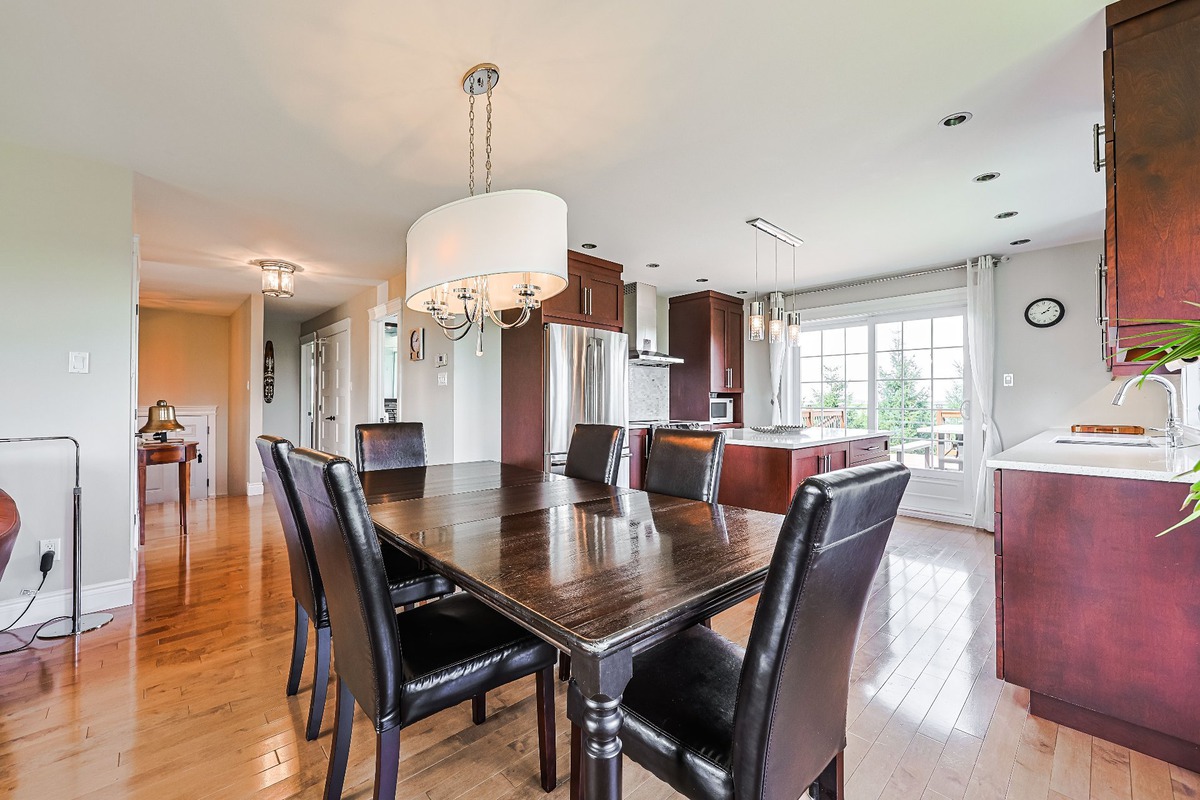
(1095, 615)
(762, 470)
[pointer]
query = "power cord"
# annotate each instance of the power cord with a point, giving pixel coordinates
(46, 565)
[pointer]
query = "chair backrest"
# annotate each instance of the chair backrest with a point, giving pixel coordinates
(685, 463)
(306, 578)
(389, 445)
(361, 616)
(790, 719)
(595, 453)
(10, 526)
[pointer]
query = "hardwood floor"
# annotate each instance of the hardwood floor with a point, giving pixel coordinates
(182, 696)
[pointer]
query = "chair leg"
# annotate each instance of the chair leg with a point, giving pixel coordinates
(564, 666)
(479, 709)
(576, 792)
(547, 744)
(339, 747)
(831, 783)
(387, 763)
(299, 643)
(316, 707)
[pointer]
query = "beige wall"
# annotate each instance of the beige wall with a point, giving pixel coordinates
(66, 284)
(184, 359)
(281, 417)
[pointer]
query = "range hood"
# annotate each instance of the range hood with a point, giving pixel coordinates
(641, 325)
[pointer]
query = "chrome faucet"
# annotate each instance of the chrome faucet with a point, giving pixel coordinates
(1173, 431)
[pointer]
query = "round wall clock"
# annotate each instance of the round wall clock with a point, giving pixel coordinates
(416, 344)
(1044, 312)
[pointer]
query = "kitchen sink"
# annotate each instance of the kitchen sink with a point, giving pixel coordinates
(1107, 440)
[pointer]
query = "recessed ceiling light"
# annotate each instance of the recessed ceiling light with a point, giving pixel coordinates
(701, 280)
(652, 266)
(1019, 242)
(985, 177)
(742, 291)
(956, 119)
(588, 246)
(1006, 215)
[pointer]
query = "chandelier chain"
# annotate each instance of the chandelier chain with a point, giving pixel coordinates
(487, 165)
(471, 128)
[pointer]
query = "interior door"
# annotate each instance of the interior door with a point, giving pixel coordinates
(333, 406)
(308, 395)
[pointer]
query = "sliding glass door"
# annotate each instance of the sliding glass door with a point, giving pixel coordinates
(905, 373)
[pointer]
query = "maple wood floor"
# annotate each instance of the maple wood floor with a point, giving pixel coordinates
(183, 694)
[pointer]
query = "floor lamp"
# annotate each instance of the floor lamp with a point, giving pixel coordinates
(79, 622)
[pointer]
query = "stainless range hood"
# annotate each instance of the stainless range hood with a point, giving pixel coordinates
(641, 324)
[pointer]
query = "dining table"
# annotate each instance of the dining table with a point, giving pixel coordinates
(601, 572)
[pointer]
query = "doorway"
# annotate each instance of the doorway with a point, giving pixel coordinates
(333, 389)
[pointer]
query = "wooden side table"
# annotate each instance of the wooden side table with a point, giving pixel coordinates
(151, 453)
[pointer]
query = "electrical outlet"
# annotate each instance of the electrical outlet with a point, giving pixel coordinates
(443, 379)
(54, 545)
(1008, 379)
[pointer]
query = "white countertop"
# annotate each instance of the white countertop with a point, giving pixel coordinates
(1043, 454)
(810, 437)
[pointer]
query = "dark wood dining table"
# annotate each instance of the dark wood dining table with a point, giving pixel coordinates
(601, 572)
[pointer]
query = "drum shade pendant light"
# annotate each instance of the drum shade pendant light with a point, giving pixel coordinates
(488, 252)
(278, 277)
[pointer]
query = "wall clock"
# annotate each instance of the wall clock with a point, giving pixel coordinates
(416, 344)
(1044, 312)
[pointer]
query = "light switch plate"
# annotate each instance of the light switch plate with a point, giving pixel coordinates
(1008, 379)
(441, 360)
(443, 379)
(77, 362)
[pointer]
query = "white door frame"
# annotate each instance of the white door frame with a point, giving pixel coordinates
(308, 401)
(134, 326)
(376, 317)
(341, 326)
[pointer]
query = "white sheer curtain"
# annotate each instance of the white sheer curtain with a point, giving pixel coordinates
(778, 352)
(981, 337)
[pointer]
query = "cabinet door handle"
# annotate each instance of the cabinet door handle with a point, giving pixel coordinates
(729, 377)
(1098, 160)
(873, 447)
(1102, 310)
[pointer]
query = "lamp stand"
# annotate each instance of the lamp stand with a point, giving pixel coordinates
(79, 622)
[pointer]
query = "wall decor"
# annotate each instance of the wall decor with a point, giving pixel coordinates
(268, 372)
(416, 344)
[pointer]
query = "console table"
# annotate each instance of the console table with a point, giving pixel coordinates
(151, 453)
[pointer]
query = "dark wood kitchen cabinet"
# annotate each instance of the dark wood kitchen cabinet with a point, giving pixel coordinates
(1151, 151)
(594, 297)
(706, 332)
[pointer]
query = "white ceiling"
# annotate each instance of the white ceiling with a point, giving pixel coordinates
(318, 132)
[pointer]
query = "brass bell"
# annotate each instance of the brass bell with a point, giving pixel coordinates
(160, 418)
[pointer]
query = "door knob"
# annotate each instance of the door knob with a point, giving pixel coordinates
(330, 419)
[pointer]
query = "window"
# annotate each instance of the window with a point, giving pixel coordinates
(903, 373)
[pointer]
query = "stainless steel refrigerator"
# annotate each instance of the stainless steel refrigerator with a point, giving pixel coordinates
(587, 381)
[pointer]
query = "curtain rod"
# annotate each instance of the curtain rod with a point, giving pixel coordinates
(886, 278)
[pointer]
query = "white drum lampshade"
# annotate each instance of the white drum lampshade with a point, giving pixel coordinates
(518, 236)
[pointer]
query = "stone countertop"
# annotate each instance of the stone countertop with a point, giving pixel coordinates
(1157, 463)
(809, 437)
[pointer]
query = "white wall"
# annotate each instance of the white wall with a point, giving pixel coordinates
(281, 417)
(476, 389)
(245, 396)
(1058, 374)
(66, 275)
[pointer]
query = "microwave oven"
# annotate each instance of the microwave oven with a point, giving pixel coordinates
(720, 410)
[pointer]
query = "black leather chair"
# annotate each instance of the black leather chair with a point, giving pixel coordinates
(408, 583)
(403, 667)
(389, 445)
(685, 463)
(595, 453)
(717, 722)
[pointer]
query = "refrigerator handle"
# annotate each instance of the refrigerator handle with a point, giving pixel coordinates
(597, 411)
(588, 393)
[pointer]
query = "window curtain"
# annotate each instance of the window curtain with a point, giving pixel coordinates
(981, 340)
(778, 352)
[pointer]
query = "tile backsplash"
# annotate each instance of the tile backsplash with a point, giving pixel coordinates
(649, 393)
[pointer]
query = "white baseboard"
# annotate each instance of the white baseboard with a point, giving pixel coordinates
(253, 488)
(48, 605)
(953, 519)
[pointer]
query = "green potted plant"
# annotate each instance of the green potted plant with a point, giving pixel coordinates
(1181, 341)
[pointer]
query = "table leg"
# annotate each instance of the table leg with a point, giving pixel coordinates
(185, 493)
(600, 683)
(141, 503)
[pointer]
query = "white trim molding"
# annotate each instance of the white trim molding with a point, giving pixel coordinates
(57, 603)
(253, 489)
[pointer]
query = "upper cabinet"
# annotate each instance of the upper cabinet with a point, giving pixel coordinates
(595, 294)
(1150, 145)
(706, 332)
